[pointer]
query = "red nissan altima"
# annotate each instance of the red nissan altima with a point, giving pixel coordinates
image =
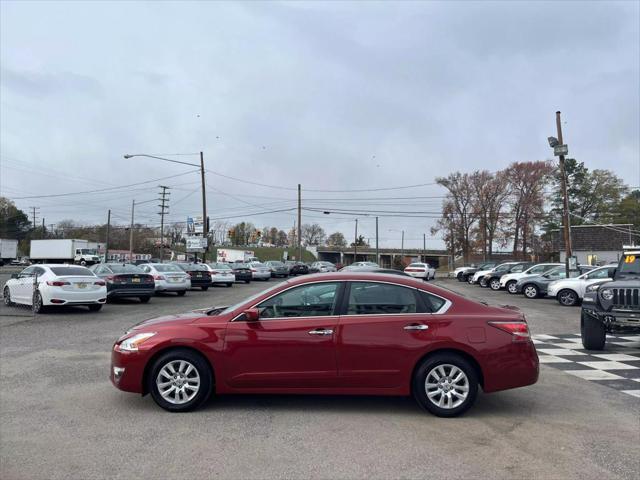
(337, 333)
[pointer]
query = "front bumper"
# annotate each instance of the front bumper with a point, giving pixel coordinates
(127, 370)
(614, 320)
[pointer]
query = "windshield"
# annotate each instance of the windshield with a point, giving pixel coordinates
(75, 271)
(164, 267)
(630, 265)
(88, 251)
(504, 267)
(486, 266)
(249, 299)
(126, 268)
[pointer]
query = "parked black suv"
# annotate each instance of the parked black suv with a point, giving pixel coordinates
(613, 306)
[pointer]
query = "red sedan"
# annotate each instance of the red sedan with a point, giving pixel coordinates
(338, 333)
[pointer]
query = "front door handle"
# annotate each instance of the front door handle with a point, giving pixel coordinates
(416, 326)
(321, 331)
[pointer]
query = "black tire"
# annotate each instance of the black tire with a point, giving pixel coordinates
(460, 277)
(6, 293)
(483, 283)
(511, 287)
(469, 279)
(145, 299)
(181, 293)
(568, 298)
(229, 285)
(83, 262)
(247, 281)
(202, 368)
(445, 360)
(494, 284)
(592, 332)
(530, 290)
(205, 288)
(95, 308)
(37, 305)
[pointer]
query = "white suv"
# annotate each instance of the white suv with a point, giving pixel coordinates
(569, 291)
(509, 281)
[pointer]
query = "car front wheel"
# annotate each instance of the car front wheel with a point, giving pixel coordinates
(446, 385)
(180, 380)
(592, 332)
(531, 291)
(511, 287)
(494, 284)
(568, 298)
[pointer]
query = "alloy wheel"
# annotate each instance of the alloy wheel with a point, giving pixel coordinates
(567, 298)
(447, 386)
(512, 288)
(7, 296)
(495, 284)
(530, 291)
(178, 382)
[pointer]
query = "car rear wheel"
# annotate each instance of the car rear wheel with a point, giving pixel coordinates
(460, 277)
(95, 308)
(592, 332)
(229, 285)
(180, 380)
(145, 299)
(181, 293)
(445, 384)
(568, 298)
(511, 286)
(6, 293)
(37, 305)
(494, 284)
(531, 291)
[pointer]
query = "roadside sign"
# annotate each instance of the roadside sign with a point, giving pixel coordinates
(560, 150)
(196, 244)
(194, 225)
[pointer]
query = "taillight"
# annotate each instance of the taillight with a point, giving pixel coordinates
(254, 270)
(159, 277)
(57, 283)
(519, 330)
(110, 278)
(190, 273)
(99, 283)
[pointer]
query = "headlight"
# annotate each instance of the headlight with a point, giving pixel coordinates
(131, 344)
(607, 293)
(592, 288)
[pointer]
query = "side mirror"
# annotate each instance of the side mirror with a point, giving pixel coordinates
(15, 275)
(252, 314)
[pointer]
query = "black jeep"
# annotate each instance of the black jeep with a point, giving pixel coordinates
(614, 306)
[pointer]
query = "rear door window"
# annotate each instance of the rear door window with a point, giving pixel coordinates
(72, 271)
(372, 298)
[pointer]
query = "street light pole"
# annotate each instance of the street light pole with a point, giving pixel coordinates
(133, 206)
(377, 249)
(204, 210)
(355, 245)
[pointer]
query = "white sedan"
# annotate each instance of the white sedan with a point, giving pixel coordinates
(47, 285)
(168, 277)
(421, 270)
(221, 273)
(570, 291)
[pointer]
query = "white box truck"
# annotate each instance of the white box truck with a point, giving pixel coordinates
(8, 250)
(231, 255)
(81, 252)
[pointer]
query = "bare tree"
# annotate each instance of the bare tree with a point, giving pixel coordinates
(460, 203)
(490, 192)
(312, 234)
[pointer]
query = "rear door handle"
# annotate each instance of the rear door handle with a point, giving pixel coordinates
(416, 326)
(321, 331)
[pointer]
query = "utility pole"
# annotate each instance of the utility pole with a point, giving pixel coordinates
(299, 222)
(355, 245)
(565, 200)
(43, 230)
(164, 209)
(33, 216)
(424, 247)
(205, 225)
(133, 206)
(106, 243)
(402, 247)
(377, 249)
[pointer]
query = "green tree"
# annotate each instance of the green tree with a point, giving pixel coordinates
(336, 240)
(628, 210)
(14, 223)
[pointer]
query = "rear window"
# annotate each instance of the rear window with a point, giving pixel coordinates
(418, 265)
(167, 268)
(431, 302)
(221, 266)
(126, 268)
(72, 271)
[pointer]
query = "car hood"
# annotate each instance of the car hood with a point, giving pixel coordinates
(179, 318)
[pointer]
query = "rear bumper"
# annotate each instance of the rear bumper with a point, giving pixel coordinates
(516, 365)
(417, 274)
(73, 298)
(130, 292)
(223, 278)
(261, 275)
(166, 286)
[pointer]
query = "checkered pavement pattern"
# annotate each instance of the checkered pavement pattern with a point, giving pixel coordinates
(617, 366)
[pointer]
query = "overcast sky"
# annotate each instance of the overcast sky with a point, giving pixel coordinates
(335, 96)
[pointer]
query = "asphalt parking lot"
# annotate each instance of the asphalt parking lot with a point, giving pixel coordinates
(61, 418)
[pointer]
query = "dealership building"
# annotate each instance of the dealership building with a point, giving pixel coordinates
(595, 244)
